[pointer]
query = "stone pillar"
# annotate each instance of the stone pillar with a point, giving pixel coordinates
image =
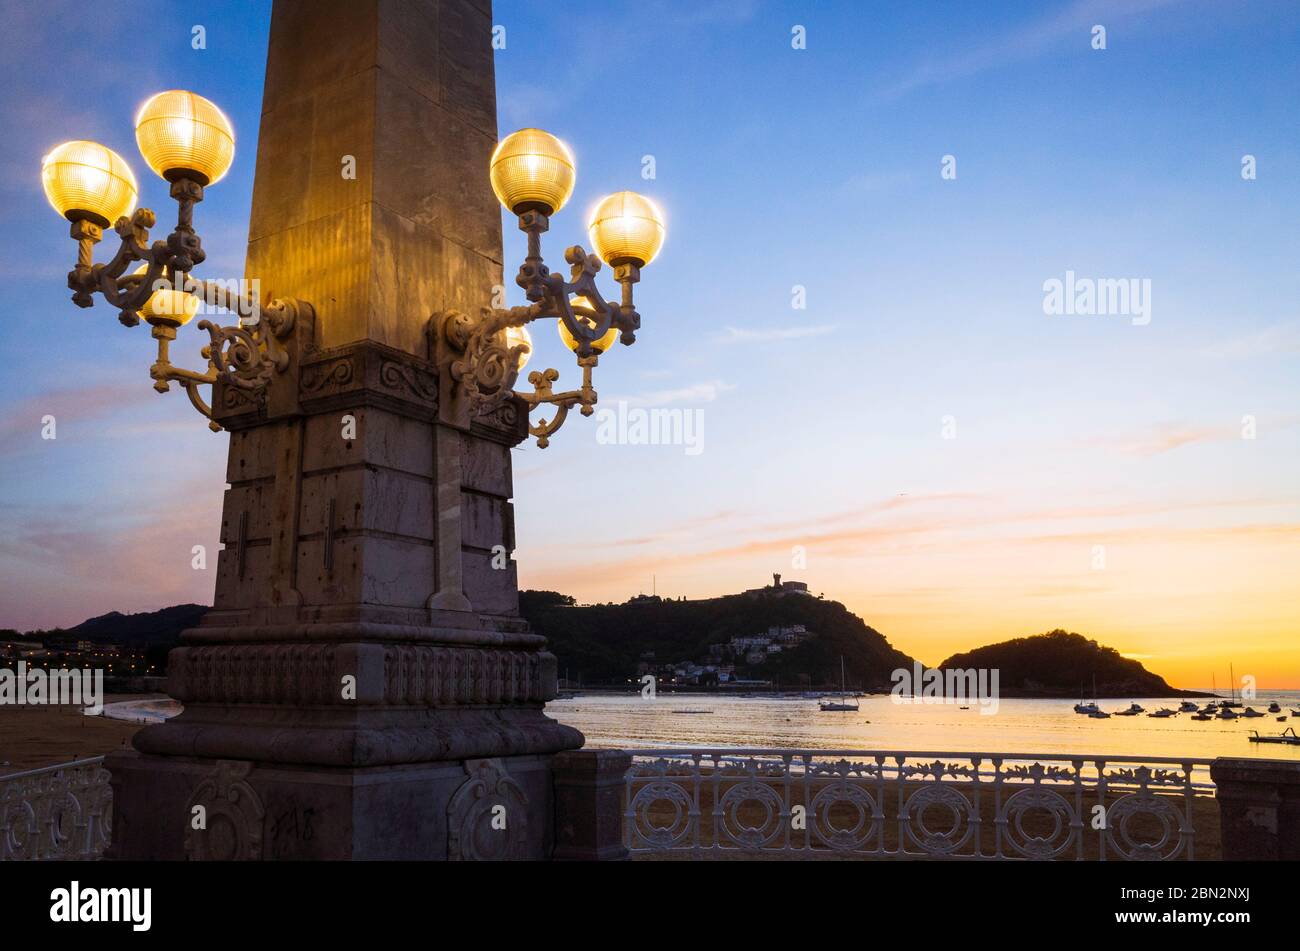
(364, 686)
(1259, 808)
(589, 790)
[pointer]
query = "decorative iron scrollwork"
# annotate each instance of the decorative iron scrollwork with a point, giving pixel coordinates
(488, 364)
(246, 356)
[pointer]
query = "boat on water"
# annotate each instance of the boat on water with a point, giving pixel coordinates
(1089, 708)
(1295, 713)
(1132, 711)
(1099, 715)
(1274, 707)
(1287, 736)
(840, 706)
(1202, 716)
(1248, 712)
(1187, 707)
(1163, 712)
(836, 706)
(1232, 681)
(1225, 714)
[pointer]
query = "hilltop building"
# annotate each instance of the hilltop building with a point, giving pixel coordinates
(779, 588)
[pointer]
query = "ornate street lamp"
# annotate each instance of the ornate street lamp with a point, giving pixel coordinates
(533, 175)
(189, 142)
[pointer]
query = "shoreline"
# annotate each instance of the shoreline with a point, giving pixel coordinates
(778, 693)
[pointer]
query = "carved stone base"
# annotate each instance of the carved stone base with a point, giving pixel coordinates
(360, 738)
(334, 702)
(466, 810)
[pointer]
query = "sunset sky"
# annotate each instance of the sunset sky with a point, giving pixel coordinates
(823, 427)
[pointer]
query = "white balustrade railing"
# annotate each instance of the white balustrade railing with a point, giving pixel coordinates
(705, 803)
(59, 812)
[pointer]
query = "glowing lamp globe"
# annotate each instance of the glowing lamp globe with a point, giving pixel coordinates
(532, 170)
(166, 307)
(626, 228)
(519, 337)
(87, 181)
(570, 341)
(183, 135)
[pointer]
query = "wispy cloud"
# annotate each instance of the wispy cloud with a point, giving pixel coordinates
(66, 563)
(1028, 41)
(705, 392)
(748, 335)
(923, 523)
(1167, 437)
(1280, 339)
(21, 422)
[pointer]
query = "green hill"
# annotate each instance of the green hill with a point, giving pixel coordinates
(153, 627)
(605, 643)
(1061, 664)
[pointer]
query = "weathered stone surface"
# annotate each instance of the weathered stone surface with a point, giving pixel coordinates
(317, 42)
(589, 789)
(253, 452)
(465, 64)
(429, 187)
(406, 92)
(486, 467)
(382, 439)
(307, 141)
(1259, 808)
(490, 590)
(314, 813)
(486, 522)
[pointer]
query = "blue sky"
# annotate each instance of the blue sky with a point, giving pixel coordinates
(779, 167)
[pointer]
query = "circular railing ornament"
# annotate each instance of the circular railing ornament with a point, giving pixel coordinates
(661, 836)
(1035, 799)
(840, 838)
(1129, 811)
(938, 795)
(745, 834)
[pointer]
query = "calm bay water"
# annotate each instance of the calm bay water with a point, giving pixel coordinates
(1019, 726)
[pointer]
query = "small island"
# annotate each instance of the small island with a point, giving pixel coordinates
(1063, 664)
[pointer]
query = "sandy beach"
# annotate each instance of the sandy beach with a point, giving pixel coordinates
(35, 736)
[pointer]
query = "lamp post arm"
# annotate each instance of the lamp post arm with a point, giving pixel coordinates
(563, 402)
(488, 367)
